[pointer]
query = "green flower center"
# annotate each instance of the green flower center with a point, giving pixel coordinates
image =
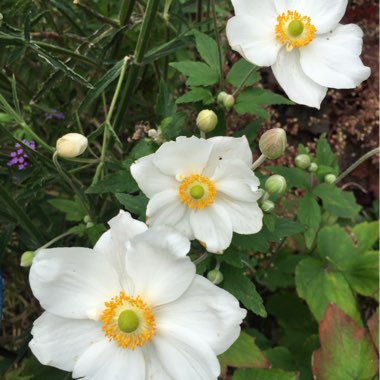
(197, 191)
(295, 28)
(128, 321)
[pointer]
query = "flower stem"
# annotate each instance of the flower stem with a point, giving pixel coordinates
(59, 237)
(241, 85)
(201, 258)
(203, 135)
(217, 36)
(258, 162)
(357, 163)
(126, 9)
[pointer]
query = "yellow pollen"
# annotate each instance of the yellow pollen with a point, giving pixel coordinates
(145, 328)
(197, 191)
(294, 30)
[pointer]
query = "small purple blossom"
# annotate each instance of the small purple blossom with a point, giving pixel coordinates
(18, 157)
(54, 114)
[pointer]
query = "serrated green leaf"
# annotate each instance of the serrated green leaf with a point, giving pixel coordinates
(74, 210)
(115, 183)
(338, 202)
(198, 73)
(243, 289)
(264, 374)
(207, 48)
(295, 177)
(239, 72)
(281, 357)
(136, 204)
(196, 94)
(325, 155)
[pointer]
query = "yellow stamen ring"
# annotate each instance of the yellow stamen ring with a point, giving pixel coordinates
(294, 30)
(128, 321)
(197, 191)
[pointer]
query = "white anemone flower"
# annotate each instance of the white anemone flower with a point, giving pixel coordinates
(304, 43)
(204, 188)
(132, 308)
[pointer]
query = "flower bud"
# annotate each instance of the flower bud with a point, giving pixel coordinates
(313, 167)
(273, 143)
(215, 276)
(27, 258)
(275, 184)
(71, 145)
(228, 101)
(221, 96)
(207, 121)
(330, 178)
(302, 161)
(267, 206)
(87, 219)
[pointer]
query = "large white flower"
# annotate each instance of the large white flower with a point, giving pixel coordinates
(131, 309)
(204, 188)
(303, 42)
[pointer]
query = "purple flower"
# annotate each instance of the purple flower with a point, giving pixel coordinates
(54, 114)
(18, 157)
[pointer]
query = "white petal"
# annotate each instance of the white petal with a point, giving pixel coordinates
(332, 59)
(158, 276)
(209, 312)
(165, 238)
(236, 180)
(186, 357)
(297, 85)
(212, 226)
(253, 36)
(73, 282)
(225, 148)
(105, 361)
(149, 178)
(59, 342)
(154, 368)
(183, 157)
(246, 217)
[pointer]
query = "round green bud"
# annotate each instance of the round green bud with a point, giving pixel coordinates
(272, 143)
(313, 167)
(128, 321)
(221, 96)
(87, 219)
(228, 101)
(207, 121)
(267, 206)
(275, 184)
(295, 28)
(215, 276)
(197, 191)
(27, 258)
(90, 224)
(330, 178)
(302, 161)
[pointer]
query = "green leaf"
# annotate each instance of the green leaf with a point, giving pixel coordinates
(295, 177)
(240, 70)
(100, 86)
(264, 374)
(196, 94)
(74, 210)
(373, 327)
(207, 48)
(243, 354)
(325, 156)
(309, 215)
(143, 148)
(165, 105)
(319, 284)
(136, 204)
(338, 202)
(171, 127)
(198, 73)
(346, 352)
(280, 357)
(243, 289)
(121, 181)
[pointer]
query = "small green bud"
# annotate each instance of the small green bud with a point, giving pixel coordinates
(228, 101)
(87, 219)
(313, 167)
(215, 276)
(221, 96)
(267, 206)
(302, 161)
(275, 184)
(207, 121)
(27, 258)
(273, 143)
(89, 225)
(330, 178)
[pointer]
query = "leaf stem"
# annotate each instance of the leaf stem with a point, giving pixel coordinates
(357, 163)
(241, 85)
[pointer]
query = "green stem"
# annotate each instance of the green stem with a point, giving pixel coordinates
(357, 163)
(52, 241)
(24, 220)
(241, 85)
(258, 162)
(148, 21)
(201, 258)
(203, 135)
(213, 12)
(97, 15)
(126, 10)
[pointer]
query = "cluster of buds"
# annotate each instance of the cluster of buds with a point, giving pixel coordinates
(303, 161)
(225, 99)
